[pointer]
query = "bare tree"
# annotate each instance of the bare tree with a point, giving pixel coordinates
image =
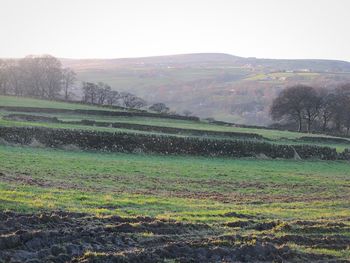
(187, 113)
(291, 104)
(159, 107)
(89, 92)
(68, 80)
(15, 78)
(347, 118)
(102, 92)
(52, 76)
(31, 75)
(132, 101)
(311, 106)
(42, 76)
(113, 97)
(327, 105)
(4, 80)
(341, 108)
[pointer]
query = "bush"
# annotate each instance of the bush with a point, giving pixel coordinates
(172, 130)
(99, 112)
(126, 142)
(26, 117)
(132, 126)
(324, 139)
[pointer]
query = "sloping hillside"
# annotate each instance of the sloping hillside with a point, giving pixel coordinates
(222, 86)
(84, 183)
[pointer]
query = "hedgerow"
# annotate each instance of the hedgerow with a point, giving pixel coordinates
(128, 142)
(139, 127)
(99, 112)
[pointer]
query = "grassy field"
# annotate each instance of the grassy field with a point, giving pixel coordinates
(31, 102)
(282, 76)
(184, 189)
(218, 184)
(164, 122)
(274, 136)
(160, 208)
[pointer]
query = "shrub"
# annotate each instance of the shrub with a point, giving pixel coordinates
(127, 142)
(99, 112)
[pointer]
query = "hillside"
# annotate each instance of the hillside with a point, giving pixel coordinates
(215, 85)
(85, 183)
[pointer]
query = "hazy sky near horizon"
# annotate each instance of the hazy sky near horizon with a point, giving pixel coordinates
(133, 28)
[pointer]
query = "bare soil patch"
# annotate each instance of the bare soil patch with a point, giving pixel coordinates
(74, 237)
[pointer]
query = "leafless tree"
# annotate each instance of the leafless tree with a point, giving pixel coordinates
(89, 92)
(4, 78)
(42, 76)
(68, 80)
(113, 97)
(52, 76)
(311, 106)
(187, 113)
(32, 75)
(132, 101)
(159, 107)
(327, 106)
(102, 92)
(291, 104)
(341, 108)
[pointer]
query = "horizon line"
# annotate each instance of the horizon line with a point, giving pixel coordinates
(177, 54)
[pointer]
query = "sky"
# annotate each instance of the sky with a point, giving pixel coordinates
(135, 28)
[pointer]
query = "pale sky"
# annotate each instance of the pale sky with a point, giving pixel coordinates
(132, 28)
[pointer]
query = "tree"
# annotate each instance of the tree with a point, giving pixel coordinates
(159, 107)
(187, 113)
(327, 106)
(311, 105)
(68, 80)
(347, 117)
(31, 75)
(132, 101)
(42, 76)
(293, 103)
(210, 119)
(52, 76)
(113, 97)
(4, 89)
(102, 92)
(89, 92)
(341, 108)
(15, 78)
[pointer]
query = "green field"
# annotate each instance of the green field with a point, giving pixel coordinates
(181, 188)
(31, 102)
(297, 211)
(208, 183)
(164, 122)
(274, 136)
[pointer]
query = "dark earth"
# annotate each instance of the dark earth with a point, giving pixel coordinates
(76, 237)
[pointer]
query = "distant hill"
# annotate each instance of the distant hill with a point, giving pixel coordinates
(222, 86)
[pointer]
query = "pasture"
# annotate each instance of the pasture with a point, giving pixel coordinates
(98, 206)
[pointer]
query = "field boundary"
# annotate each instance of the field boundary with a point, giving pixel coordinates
(135, 126)
(98, 112)
(162, 144)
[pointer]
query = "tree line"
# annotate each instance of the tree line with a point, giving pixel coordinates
(102, 94)
(44, 77)
(311, 109)
(36, 76)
